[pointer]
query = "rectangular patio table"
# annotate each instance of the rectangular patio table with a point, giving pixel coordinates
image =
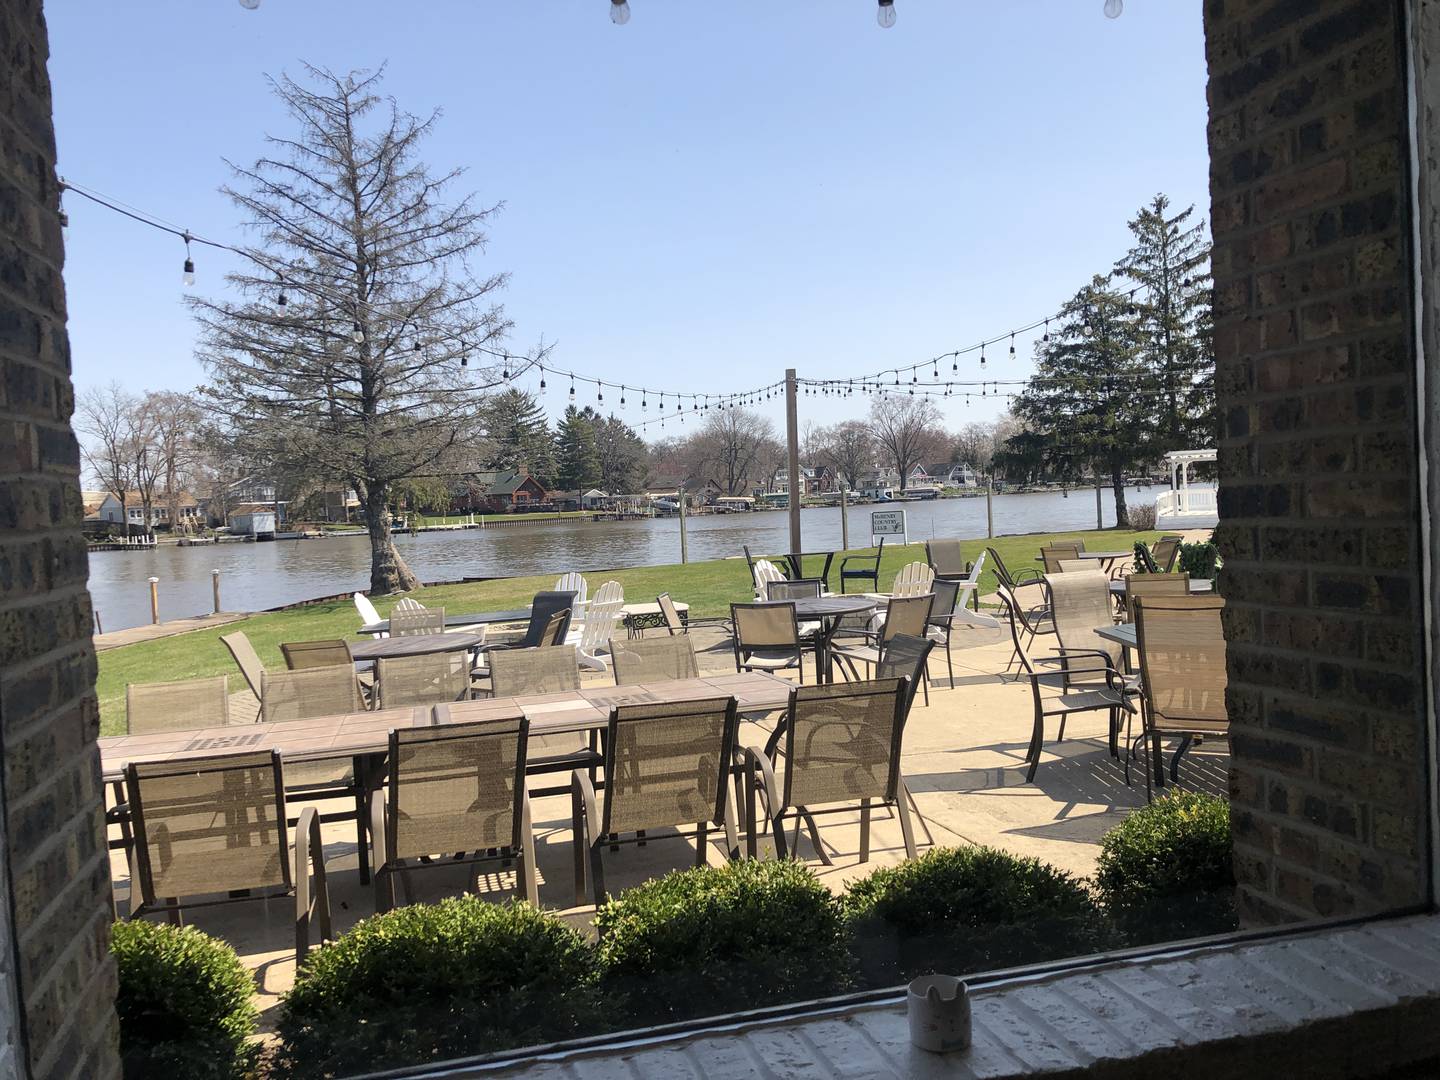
(1109, 558)
(1197, 585)
(365, 733)
(488, 618)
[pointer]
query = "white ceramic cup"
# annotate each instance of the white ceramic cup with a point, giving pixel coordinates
(939, 1011)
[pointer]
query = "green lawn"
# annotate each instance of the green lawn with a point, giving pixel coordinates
(708, 587)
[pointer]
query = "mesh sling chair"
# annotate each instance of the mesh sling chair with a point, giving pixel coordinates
(544, 627)
(246, 659)
(841, 744)
(666, 766)
(414, 623)
(655, 660)
(1025, 622)
(1052, 554)
(940, 625)
(1081, 603)
(797, 589)
(454, 789)
(903, 615)
(1182, 675)
(673, 622)
(1112, 697)
(1165, 553)
(946, 559)
(866, 568)
(421, 680)
(312, 654)
(767, 637)
(210, 826)
(1157, 584)
(321, 691)
(546, 669)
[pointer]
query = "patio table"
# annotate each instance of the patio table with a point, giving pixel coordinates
(828, 611)
(488, 618)
(415, 645)
(1197, 585)
(1109, 558)
(361, 734)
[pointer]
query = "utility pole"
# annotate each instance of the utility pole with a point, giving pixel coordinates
(989, 506)
(792, 445)
(1099, 506)
(684, 548)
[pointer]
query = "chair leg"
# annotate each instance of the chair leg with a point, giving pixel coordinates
(1060, 735)
(702, 842)
(814, 836)
(525, 868)
(577, 841)
(1036, 741)
(864, 830)
(902, 807)
(732, 834)
(925, 686)
(949, 659)
(929, 837)
(597, 873)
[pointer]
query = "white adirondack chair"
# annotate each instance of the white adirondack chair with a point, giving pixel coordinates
(765, 571)
(574, 582)
(914, 579)
(967, 590)
(368, 614)
(405, 603)
(592, 638)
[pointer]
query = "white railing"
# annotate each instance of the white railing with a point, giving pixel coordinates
(1186, 502)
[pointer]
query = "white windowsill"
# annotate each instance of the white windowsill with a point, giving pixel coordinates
(1333, 1003)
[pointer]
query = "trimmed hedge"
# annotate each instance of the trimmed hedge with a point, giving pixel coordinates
(1200, 561)
(958, 910)
(1165, 872)
(436, 981)
(184, 1003)
(721, 939)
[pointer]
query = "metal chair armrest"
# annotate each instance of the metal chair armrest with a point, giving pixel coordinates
(310, 859)
(760, 774)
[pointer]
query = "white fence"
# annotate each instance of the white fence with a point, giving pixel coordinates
(1186, 502)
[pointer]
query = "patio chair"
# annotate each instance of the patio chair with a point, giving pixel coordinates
(1080, 603)
(763, 573)
(866, 568)
(421, 680)
(673, 622)
(969, 587)
(456, 790)
(300, 695)
(797, 589)
(592, 638)
(914, 579)
(333, 652)
(655, 660)
(416, 623)
(368, 615)
(903, 615)
(1025, 622)
(1112, 697)
(946, 559)
(1166, 552)
(545, 669)
(1052, 554)
(666, 766)
(1182, 675)
(767, 638)
(1076, 566)
(905, 657)
(1026, 576)
(1144, 561)
(940, 626)
(207, 827)
(841, 744)
(408, 603)
(574, 582)
(1139, 586)
(246, 659)
(177, 706)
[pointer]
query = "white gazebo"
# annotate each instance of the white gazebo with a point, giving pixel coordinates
(1181, 501)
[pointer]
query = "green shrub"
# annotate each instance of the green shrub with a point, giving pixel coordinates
(1165, 871)
(721, 939)
(185, 1003)
(962, 910)
(1199, 560)
(436, 981)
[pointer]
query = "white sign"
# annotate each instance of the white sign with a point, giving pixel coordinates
(888, 523)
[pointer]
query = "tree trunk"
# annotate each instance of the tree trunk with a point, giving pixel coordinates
(1122, 512)
(388, 572)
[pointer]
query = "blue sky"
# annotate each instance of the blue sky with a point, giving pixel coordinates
(695, 201)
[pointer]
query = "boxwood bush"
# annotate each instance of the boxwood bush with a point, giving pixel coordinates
(436, 981)
(185, 1003)
(968, 909)
(721, 939)
(1165, 871)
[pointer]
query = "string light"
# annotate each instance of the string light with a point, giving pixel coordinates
(542, 376)
(280, 300)
(885, 15)
(505, 369)
(187, 273)
(982, 355)
(572, 388)
(356, 334)
(619, 12)
(1046, 338)
(622, 399)
(1114, 8)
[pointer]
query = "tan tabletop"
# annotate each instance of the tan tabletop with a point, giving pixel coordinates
(415, 645)
(351, 734)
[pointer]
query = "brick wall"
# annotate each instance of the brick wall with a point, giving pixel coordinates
(58, 874)
(1319, 490)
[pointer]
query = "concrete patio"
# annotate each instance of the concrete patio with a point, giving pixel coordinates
(963, 758)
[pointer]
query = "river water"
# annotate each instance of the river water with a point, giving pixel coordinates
(259, 576)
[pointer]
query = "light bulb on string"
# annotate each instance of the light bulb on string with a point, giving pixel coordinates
(464, 360)
(622, 398)
(572, 388)
(542, 376)
(643, 402)
(619, 12)
(357, 335)
(955, 360)
(885, 14)
(1012, 344)
(187, 272)
(281, 301)
(1114, 8)
(1046, 338)
(982, 355)
(505, 368)
(249, 5)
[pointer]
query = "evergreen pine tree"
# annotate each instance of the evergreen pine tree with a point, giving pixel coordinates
(620, 453)
(577, 464)
(1170, 263)
(1091, 402)
(519, 435)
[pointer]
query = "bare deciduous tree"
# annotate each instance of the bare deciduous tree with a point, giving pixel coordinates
(106, 418)
(907, 429)
(733, 448)
(362, 374)
(847, 449)
(172, 420)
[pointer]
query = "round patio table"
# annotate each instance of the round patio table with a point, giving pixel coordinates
(828, 611)
(414, 645)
